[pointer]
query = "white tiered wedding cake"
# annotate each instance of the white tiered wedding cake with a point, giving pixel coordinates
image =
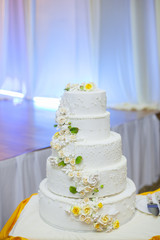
(86, 186)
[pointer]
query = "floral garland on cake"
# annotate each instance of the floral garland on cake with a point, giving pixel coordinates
(69, 163)
(86, 211)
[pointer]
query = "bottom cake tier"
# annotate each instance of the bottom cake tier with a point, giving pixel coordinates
(88, 214)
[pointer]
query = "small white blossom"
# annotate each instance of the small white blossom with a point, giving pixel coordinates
(67, 168)
(57, 146)
(61, 153)
(93, 179)
(71, 174)
(63, 111)
(72, 161)
(66, 160)
(61, 120)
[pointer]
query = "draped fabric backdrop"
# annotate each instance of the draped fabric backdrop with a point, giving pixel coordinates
(45, 44)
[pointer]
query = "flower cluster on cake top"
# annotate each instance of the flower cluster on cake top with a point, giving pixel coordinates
(86, 87)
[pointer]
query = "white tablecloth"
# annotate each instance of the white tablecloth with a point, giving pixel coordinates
(21, 175)
(141, 146)
(31, 226)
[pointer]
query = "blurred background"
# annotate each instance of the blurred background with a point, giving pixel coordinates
(46, 44)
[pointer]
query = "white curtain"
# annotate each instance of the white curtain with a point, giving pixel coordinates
(44, 44)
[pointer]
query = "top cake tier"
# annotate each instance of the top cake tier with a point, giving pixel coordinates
(85, 102)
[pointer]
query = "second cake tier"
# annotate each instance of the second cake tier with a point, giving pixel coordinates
(100, 182)
(95, 154)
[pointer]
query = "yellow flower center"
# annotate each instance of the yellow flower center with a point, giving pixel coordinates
(87, 209)
(100, 205)
(116, 224)
(105, 219)
(88, 86)
(76, 210)
(97, 225)
(56, 134)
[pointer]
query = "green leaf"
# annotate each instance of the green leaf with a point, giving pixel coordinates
(73, 189)
(96, 190)
(55, 125)
(79, 159)
(82, 87)
(74, 130)
(62, 163)
(102, 186)
(69, 123)
(67, 89)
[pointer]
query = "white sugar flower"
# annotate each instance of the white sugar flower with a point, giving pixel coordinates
(67, 131)
(63, 110)
(65, 128)
(61, 153)
(79, 189)
(61, 120)
(67, 153)
(87, 210)
(61, 132)
(98, 227)
(82, 193)
(71, 174)
(66, 169)
(73, 168)
(109, 228)
(78, 174)
(103, 219)
(74, 87)
(88, 220)
(72, 161)
(57, 146)
(86, 200)
(82, 218)
(66, 160)
(93, 179)
(53, 160)
(87, 189)
(85, 181)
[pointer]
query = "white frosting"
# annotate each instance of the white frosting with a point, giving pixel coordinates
(96, 153)
(92, 127)
(85, 103)
(113, 179)
(52, 208)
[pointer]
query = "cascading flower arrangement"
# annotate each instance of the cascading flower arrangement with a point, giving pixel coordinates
(87, 209)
